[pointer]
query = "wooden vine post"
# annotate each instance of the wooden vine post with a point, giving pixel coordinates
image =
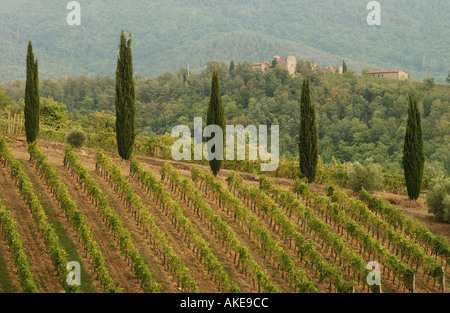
(443, 280)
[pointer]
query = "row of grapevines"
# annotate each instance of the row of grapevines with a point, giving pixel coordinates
(409, 252)
(244, 217)
(74, 215)
(8, 228)
(266, 206)
(287, 200)
(58, 255)
(173, 209)
(190, 194)
(436, 245)
(159, 241)
(332, 214)
(114, 223)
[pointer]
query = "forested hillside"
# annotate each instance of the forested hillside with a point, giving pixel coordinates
(359, 117)
(170, 34)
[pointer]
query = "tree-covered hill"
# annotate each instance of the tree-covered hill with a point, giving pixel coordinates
(170, 34)
(359, 117)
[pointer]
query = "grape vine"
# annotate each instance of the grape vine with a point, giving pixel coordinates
(114, 223)
(271, 249)
(268, 209)
(190, 194)
(309, 222)
(58, 255)
(8, 228)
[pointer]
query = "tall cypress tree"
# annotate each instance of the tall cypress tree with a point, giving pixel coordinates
(32, 109)
(413, 155)
(308, 134)
(215, 115)
(344, 67)
(125, 99)
(274, 62)
(230, 70)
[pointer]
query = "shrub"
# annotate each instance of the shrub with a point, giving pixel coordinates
(438, 199)
(367, 176)
(76, 138)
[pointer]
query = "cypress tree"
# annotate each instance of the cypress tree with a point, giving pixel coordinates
(31, 109)
(413, 154)
(344, 67)
(308, 138)
(125, 99)
(274, 62)
(215, 115)
(231, 67)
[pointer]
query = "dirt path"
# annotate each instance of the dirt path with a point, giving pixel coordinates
(41, 263)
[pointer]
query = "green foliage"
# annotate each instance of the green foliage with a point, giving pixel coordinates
(46, 230)
(429, 83)
(365, 71)
(96, 122)
(31, 109)
(216, 116)
(297, 275)
(394, 216)
(413, 154)
(125, 99)
(5, 99)
(358, 117)
(8, 227)
(74, 215)
(274, 62)
(76, 138)
(438, 199)
(308, 143)
(231, 68)
(53, 114)
(367, 175)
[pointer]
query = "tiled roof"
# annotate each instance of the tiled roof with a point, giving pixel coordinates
(388, 71)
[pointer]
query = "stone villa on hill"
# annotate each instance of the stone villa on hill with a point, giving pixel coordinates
(289, 63)
(394, 74)
(264, 66)
(331, 69)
